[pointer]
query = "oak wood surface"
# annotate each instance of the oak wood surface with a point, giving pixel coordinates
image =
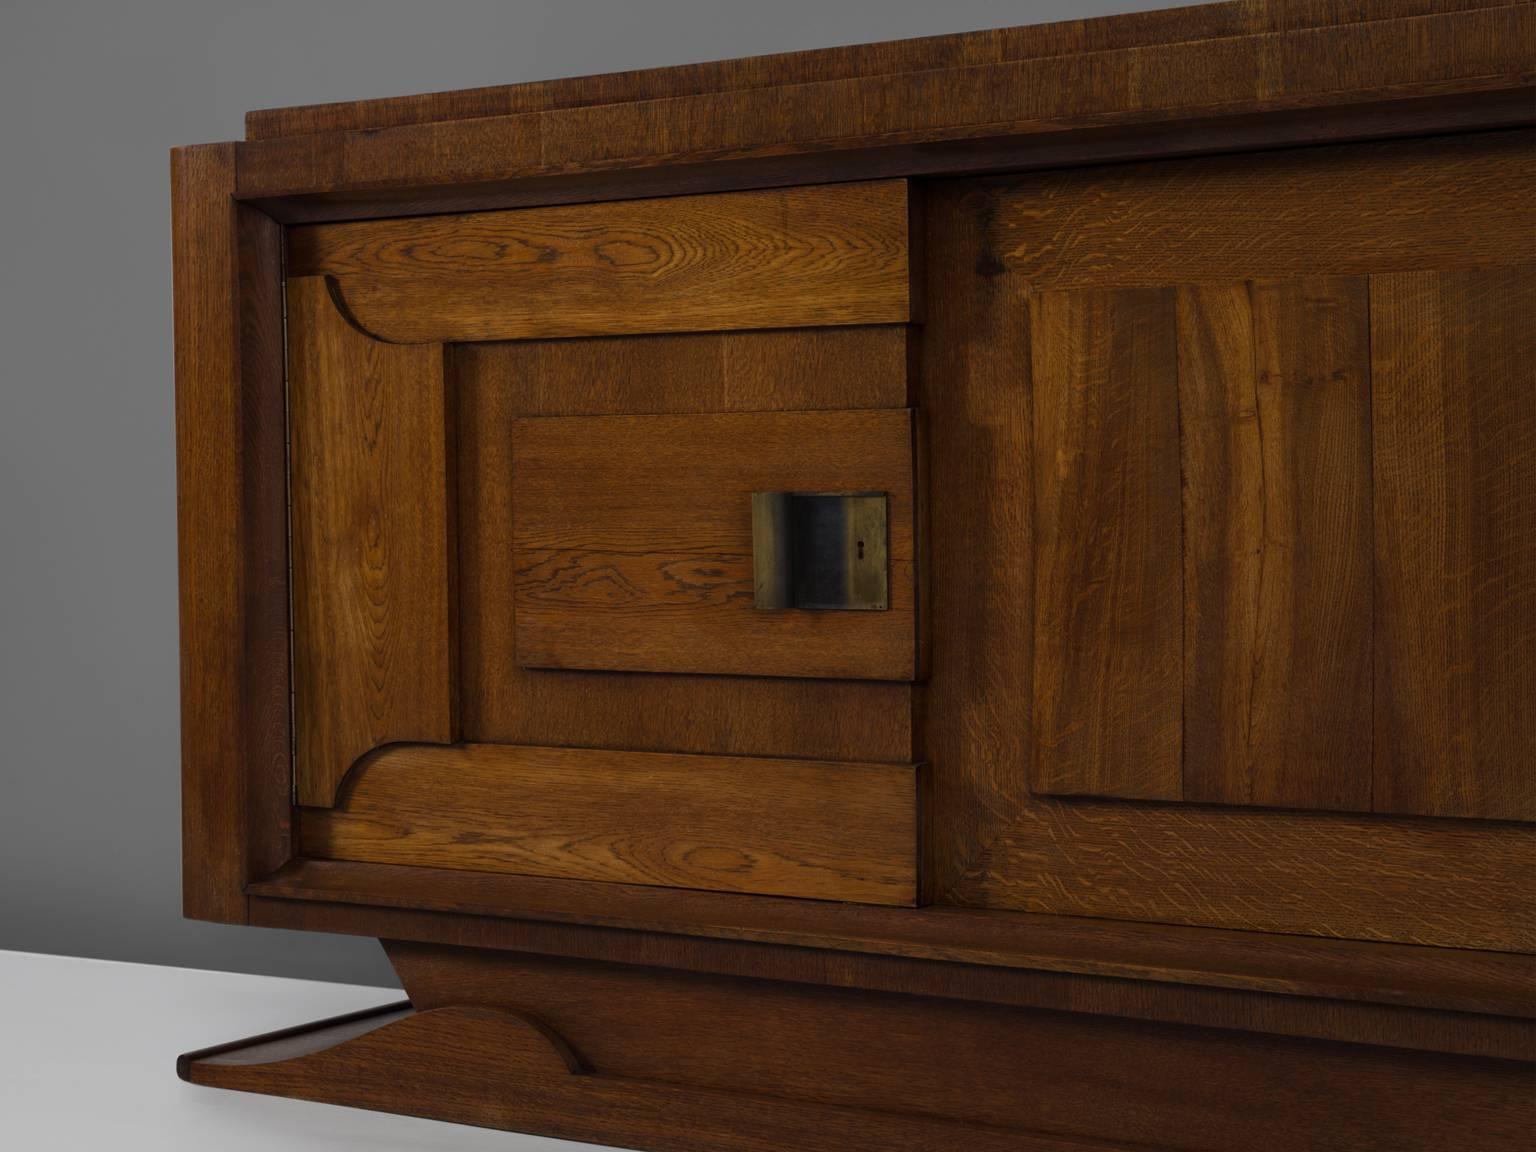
(1222, 465)
(1310, 67)
(374, 590)
(975, 395)
(1400, 205)
(1195, 1061)
(231, 537)
(701, 373)
(1064, 38)
(1454, 402)
(1273, 415)
(1285, 1013)
(1173, 1087)
(502, 1069)
(1440, 883)
(1309, 744)
(1107, 521)
(519, 912)
(632, 542)
(786, 827)
(833, 255)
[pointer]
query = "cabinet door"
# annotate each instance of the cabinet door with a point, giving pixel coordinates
(524, 451)
(1285, 484)
(1244, 450)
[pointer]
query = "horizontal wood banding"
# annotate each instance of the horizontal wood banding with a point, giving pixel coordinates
(1361, 209)
(787, 827)
(1452, 979)
(632, 540)
(1173, 1087)
(834, 255)
(1450, 884)
(1063, 38)
(1384, 59)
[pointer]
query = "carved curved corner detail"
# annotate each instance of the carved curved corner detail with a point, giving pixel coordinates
(345, 310)
(347, 783)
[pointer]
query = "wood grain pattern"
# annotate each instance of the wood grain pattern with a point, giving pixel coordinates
(1108, 584)
(1441, 884)
(1064, 38)
(1267, 71)
(1385, 1022)
(1174, 1087)
(1308, 730)
(715, 372)
(632, 541)
(974, 390)
(373, 551)
(231, 537)
(1454, 202)
(1420, 882)
(1455, 455)
(502, 1069)
(788, 827)
(772, 259)
(1148, 955)
(1222, 463)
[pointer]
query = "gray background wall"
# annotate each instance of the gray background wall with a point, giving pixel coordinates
(92, 95)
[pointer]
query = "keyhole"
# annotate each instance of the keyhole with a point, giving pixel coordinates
(861, 549)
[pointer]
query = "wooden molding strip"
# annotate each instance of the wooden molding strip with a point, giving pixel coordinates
(1495, 983)
(778, 70)
(1270, 71)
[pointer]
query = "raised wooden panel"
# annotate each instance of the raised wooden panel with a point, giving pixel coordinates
(832, 255)
(373, 549)
(1107, 578)
(804, 828)
(1454, 395)
(632, 541)
(706, 372)
(1277, 602)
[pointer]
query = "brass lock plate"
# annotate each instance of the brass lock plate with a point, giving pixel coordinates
(820, 551)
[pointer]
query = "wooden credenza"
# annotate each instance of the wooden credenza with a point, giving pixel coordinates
(967, 593)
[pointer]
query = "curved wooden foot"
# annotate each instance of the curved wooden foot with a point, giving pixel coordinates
(498, 1068)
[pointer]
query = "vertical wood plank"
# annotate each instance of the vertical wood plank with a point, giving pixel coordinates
(1108, 590)
(1309, 732)
(231, 535)
(373, 549)
(1454, 388)
(1223, 466)
(974, 390)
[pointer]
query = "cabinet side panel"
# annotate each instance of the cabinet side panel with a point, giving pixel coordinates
(231, 537)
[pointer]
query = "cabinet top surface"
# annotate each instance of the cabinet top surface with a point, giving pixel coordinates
(1298, 29)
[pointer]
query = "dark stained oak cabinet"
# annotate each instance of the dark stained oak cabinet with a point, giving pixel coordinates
(1178, 789)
